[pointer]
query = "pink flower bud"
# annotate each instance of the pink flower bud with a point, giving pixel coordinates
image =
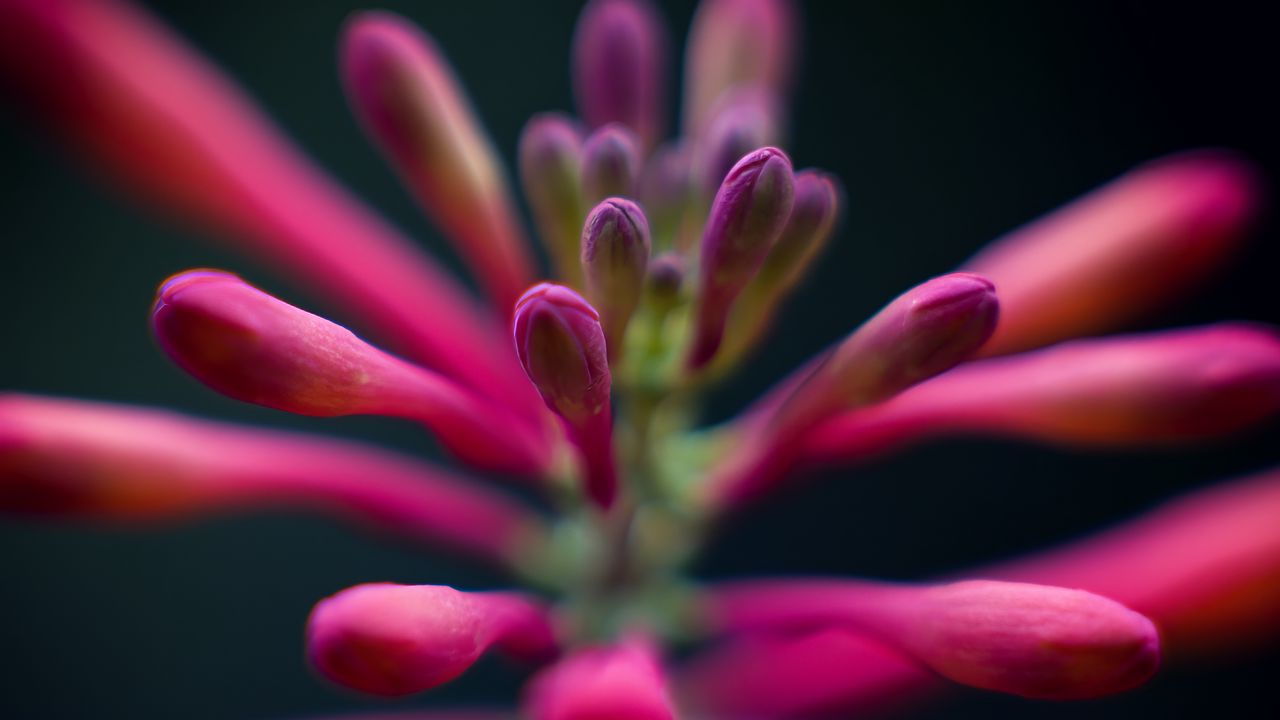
(615, 253)
(560, 341)
(623, 682)
(409, 100)
(1160, 387)
(743, 121)
(748, 215)
(1119, 251)
(610, 164)
(388, 639)
(666, 188)
(1030, 640)
(736, 44)
(619, 63)
(551, 172)
(250, 346)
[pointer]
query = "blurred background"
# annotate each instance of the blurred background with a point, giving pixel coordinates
(949, 123)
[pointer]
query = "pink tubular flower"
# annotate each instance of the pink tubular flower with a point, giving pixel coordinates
(673, 258)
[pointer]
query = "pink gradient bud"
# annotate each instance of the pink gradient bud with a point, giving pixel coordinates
(100, 461)
(1031, 640)
(1120, 251)
(743, 121)
(615, 254)
(748, 215)
(408, 99)
(666, 188)
(560, 341)
(1159, 387)
(610, 164)
(736, 44)
(250, 346)
(619, 64)
(622, 682)
(391, 640)
(551, 172)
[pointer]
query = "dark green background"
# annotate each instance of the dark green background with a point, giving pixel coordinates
(948, 122)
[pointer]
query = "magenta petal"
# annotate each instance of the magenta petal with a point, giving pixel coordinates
(388, 639)
(622, 682)
(619, 64)
(114, 462)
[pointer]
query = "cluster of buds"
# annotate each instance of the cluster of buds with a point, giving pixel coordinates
(671, 260)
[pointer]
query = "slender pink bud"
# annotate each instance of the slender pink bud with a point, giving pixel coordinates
(250, 346)
(665, 192)
(748, 215)
(736, 44)
(551, 172)
(388, 639)
(619, 62)
(410, 102)
(562, 346)
(115, 462)
(1030, 640)
(154, 112)
(1160, 387)
(610, 164)
(743, 121)
(622, 682)
(615, 254)
(1120, 251)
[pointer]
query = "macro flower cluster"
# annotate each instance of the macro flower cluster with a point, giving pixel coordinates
(672, 259)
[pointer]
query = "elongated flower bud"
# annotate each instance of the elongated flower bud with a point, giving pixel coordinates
(666, 191)
(746, 219)
(116, 462)
(743, 121)
(562, 346)
(736, 44)
(1120, 251)
(393, 640)
(1159, 387)
(610, 164)
(250, 346)
(1030, 640)
(551, 172)
(409, 100)
(623, 682)
(615, 254)
(619, 62)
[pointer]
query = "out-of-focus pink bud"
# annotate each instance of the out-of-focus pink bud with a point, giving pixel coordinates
(743, 121)
(409, 100)
(615, 254)
(551, 172)
(250, 346)
(748, 215)
(622, 682)
(560, 341)
(113, 462)
(388, 639)
(1030, 640)
(666, 188)
(1159, 387)
(610, 164)
(1119, 251)
(925, 331)
(151, 109)
(619, 62)
(736, 44)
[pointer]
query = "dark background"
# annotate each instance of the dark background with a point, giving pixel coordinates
(949, 123)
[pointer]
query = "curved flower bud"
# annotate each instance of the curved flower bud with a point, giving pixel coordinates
(1030, 640)
(746, 219)
(615, 254)
(619, 62)
(409, 100)
(735, 44)
(666, 188)
(560, 341)
(1158, 387)
(623, 682)
(744, 120)
(115, 462)
(388, 639)
(1119, 251)
(551, 172)
(250, 346)
(610, 164)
